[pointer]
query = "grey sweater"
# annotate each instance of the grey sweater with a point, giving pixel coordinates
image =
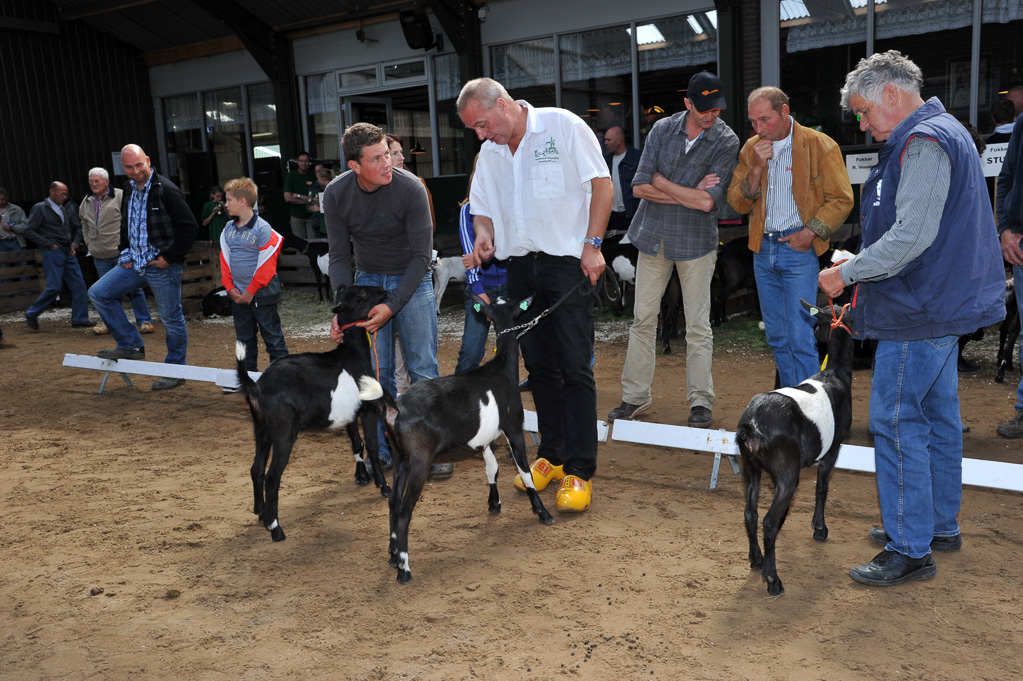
(389, 229)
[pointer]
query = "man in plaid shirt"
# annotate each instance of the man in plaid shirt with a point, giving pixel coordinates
(682, 180)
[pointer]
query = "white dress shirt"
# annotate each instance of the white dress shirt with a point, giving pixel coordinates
(539, 197)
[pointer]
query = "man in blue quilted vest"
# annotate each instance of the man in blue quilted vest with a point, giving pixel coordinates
(929, 270)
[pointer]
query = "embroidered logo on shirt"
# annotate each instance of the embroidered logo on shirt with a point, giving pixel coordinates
(547, 152)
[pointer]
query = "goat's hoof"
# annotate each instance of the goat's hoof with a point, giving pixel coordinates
(361, 474)
(546, 518)
(774, 586)
(495, 508)
(820, 533)
(666, 350)
(385, 490)
(404, 576)
(999, 378)
(277, 534)
(756, 563)
(393, 560)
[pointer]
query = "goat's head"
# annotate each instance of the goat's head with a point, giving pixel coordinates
(353, 303)
(502, 312)
(828, 319)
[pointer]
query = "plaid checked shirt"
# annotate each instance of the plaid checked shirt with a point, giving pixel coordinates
(685, 233)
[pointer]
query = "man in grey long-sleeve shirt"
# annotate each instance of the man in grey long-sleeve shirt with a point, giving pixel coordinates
(382, 213)
(929, 271)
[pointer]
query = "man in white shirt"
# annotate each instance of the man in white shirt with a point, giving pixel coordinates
(541, 197)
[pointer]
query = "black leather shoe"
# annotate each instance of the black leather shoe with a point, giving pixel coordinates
(441, 471)
(524, 385)
(84, 325)
(700, 417)
(627, 411)
(33, 323)
(122, 353)
(891, 567)
(881, 538)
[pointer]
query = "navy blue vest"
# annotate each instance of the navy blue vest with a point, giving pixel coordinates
(956, 286)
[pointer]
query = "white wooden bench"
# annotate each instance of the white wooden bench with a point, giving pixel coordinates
(225, 378)
(994, 474)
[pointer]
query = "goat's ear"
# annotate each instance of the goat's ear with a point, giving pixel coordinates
(812, 309)
(480, 305)
(339, 293)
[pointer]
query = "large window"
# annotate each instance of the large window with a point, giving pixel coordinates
(1001, 56)
(820, 44)
(183, 126)
(596, 77)
(596, 70)
(450, 131)
(266, 142)
(321, 105)
(225, 124)
(671, 51)
(526, 70)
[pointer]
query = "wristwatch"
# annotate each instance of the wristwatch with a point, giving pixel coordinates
(594, 241)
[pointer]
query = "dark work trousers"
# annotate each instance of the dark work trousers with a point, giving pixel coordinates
(557, 354)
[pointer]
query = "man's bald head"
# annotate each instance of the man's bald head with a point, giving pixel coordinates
(136, 164)
(614, 140)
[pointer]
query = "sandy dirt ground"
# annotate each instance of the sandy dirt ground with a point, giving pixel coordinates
(130, 551)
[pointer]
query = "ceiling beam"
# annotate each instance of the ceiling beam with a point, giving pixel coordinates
(98, 7)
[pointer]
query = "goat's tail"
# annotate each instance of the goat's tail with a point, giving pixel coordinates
(248, 386)
(370, 389)
(748, 436)
(390, 414)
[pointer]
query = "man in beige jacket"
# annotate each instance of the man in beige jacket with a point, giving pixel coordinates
(793, 183)
(100, 212)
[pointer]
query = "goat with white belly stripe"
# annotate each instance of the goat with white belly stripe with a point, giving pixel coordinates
(315, 391)
(785, 430)
(471, 410)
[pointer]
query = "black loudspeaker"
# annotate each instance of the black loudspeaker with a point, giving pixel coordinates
(416, 27)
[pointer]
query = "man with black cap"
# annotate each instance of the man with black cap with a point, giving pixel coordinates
(681, 180)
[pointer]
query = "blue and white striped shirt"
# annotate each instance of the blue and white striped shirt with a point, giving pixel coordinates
(781, 209)
(139, 251)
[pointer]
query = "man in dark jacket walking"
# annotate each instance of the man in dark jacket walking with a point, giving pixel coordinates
(157, 231)
(1009, 208)
(54, 226)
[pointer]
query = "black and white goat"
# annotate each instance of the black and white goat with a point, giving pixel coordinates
(313, 250)
(471, 410)
(315, 391)
(788, 429)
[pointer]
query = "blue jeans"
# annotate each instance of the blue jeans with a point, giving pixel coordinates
(247, 318)
(416, 323)
(477, 328)
(1017, 275)
(918, 441)
(784, 275)
(59, 266)
(166, 287)
(138, 297)
(557, 353)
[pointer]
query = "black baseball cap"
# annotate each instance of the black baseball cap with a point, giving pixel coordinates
(705, 92)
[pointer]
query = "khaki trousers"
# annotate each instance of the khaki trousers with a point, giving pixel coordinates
(652, 274)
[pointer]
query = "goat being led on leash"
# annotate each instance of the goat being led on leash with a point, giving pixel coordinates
(315, 391)
(788, 429)
(470, 409)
